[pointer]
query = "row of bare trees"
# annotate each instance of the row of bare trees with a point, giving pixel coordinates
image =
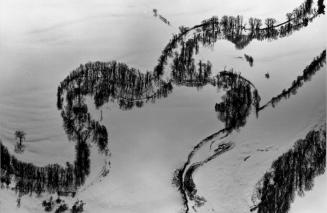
(116, 82)
(234, 29)
(316, 64)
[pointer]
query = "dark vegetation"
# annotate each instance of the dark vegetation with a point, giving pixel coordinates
(235, 30)
(233, 111)
(104, 82)
(29, 178)
(292, 173)
(129, 88)
(115, 82)
(321, 7)
(162, 18)
(48, 204)
(317, 63)
(237, 102)
(20, 135)
(111, 82)
(60, 206)
(249, 59)
(78, 207)
(189, 184)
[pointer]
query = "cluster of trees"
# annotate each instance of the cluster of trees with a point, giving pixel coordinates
(114, 81)
(321, 7)
(255, 24)
(184, 69)
(78, 207)
(167, 52)
(111, 81)
(317, 63)
(233, 29)
(185, 72)
(237, 103)
(79, 127)
(129, 88)
(104, 82)
(29, 178)
(236, 25)
(249, 59)
(292, 173)
(233, 111)
(62, 208)
(53, 178)
(240, 95)
(238, 100)
(50, 204)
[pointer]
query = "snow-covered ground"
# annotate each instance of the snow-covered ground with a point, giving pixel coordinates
(40, 43)
(228, 182)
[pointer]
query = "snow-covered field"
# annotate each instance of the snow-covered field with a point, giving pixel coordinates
(40, 43)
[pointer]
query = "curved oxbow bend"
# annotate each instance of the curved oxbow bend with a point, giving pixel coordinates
(116, 82)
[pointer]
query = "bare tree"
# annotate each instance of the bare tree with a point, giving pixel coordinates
(19, 134)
